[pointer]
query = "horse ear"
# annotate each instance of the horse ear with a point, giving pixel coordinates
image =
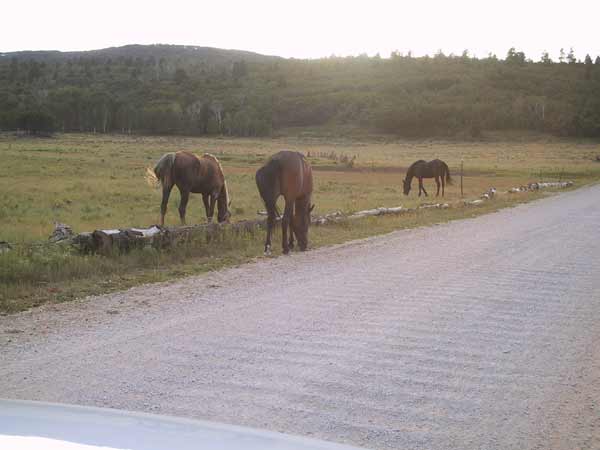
(311, 208)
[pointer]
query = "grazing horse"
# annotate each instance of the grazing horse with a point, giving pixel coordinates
(289, 174)
(190, 173)
(437, 169)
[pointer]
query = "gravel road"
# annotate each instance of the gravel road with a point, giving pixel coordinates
(476, 334)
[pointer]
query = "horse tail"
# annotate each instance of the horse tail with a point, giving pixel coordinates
(151, 178)
(448, 178)
(163, 171)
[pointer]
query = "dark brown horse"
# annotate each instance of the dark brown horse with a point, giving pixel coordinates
(289, 174)
(192, 174)
(420, 169)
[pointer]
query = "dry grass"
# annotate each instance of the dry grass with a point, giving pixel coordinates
(95, 181)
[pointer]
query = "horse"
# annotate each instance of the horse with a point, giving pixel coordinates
(437, 169)
(190, 173)
(289, 174)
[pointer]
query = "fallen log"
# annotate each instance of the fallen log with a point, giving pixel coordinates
(123, 240)
(541, 185)
(5, 247)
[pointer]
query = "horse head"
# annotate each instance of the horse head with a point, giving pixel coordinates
(406, 184)
(224, 205)
(223, 213)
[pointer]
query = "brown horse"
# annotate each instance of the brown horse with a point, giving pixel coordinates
(420, 169)
(289, 174)
(192, 174)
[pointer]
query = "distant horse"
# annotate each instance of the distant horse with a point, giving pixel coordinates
(192, 174)
(289, 174)
(420, 169)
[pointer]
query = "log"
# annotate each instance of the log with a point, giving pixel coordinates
(106, 242)
(434, 206)
(541, 185)
(5, 247)
(61, 232)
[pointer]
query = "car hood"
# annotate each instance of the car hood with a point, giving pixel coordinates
(27, 425)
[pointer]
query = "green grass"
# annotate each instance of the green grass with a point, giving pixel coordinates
(93, 181)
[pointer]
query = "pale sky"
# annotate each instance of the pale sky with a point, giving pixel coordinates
(308, 28)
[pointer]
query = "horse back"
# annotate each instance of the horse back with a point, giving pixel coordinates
(286, 173)
(295, 175)
(194, 174)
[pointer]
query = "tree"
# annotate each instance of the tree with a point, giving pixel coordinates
(514, 57)
(180, 76)
(35, 122)
(546, 58)
(588, 67)
(571, 57)
(13, 73)
(597, 61)
(35, 71)
(561, 57)
(204, 117)
(240, 70)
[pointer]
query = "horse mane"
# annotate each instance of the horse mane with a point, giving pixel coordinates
(411, 168)
(216, 160)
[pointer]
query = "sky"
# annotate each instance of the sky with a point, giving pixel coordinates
(308, 28)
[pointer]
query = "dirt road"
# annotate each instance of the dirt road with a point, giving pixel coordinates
(477, 334)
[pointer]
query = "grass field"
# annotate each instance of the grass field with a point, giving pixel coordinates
(97, 181)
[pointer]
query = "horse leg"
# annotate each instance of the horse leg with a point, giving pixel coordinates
(421, 187)
(185, 196)
(163, 205)
(205, 199)
(270, 224)
(443, 184)
(285, 224)
(292, 229)
(437, 182)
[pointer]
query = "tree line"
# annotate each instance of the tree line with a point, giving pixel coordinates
(196, 91)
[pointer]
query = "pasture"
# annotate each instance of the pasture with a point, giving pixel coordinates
(97, 181)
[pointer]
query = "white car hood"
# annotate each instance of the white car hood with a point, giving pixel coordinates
(37, 425)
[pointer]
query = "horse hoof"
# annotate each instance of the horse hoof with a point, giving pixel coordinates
(286, 251)
(268, 250)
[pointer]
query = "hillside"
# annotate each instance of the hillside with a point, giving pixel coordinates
(168, 89)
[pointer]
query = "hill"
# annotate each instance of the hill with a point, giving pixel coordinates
(169, 89)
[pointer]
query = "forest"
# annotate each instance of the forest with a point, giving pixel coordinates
(169, 89)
